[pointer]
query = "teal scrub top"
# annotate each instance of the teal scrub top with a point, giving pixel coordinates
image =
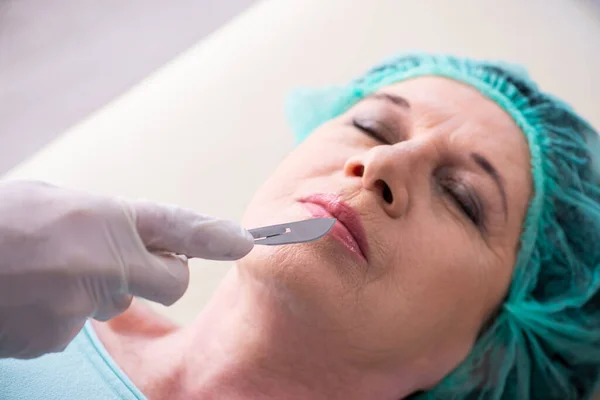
(84, 370)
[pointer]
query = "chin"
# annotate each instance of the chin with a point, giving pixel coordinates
(311, 270)
(301, 283)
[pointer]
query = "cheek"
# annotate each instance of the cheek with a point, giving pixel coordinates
(439, 285)
(448, 275)
(303, 171)
(278, 190)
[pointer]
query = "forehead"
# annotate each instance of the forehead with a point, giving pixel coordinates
(437, 100)
(459, 111)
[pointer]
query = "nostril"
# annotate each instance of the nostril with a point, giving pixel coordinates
(386, 192)
(358, 170)
(387, 195)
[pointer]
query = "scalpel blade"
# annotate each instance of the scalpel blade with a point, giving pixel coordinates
(293, 232)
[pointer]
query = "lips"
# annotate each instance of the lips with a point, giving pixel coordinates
(348, 229)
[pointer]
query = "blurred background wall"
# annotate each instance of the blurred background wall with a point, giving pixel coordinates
(60, 60)
(63, 59)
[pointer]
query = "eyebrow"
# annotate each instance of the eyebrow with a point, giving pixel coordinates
(493, 172)
(392, 98)
(478, 158)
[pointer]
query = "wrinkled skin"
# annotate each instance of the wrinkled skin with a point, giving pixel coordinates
(315, 320)
(429, 265)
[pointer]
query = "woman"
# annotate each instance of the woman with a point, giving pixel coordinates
(464, 263)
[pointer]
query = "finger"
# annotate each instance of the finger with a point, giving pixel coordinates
(20, 335)
(117, 305)
(182, 231)
(18, 330)
(14, 334)
(163, 278)
(68, 332)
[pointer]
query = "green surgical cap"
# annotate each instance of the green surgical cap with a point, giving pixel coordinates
(545, 341)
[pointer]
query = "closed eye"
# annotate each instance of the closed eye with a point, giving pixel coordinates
(465, 199)
(371, 128)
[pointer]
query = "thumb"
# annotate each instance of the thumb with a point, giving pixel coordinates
(162, 278)
(181, 231)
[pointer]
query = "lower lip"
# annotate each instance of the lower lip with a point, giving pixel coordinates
(339, 230)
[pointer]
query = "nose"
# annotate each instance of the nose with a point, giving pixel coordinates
(393, 172)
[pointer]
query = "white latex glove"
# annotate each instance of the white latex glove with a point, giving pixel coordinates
(67, 256)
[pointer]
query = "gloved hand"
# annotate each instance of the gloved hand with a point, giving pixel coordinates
(67, 256)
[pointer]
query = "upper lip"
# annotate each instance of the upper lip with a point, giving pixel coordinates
(345, 214)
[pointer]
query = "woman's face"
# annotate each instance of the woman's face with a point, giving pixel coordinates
(430, 183)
